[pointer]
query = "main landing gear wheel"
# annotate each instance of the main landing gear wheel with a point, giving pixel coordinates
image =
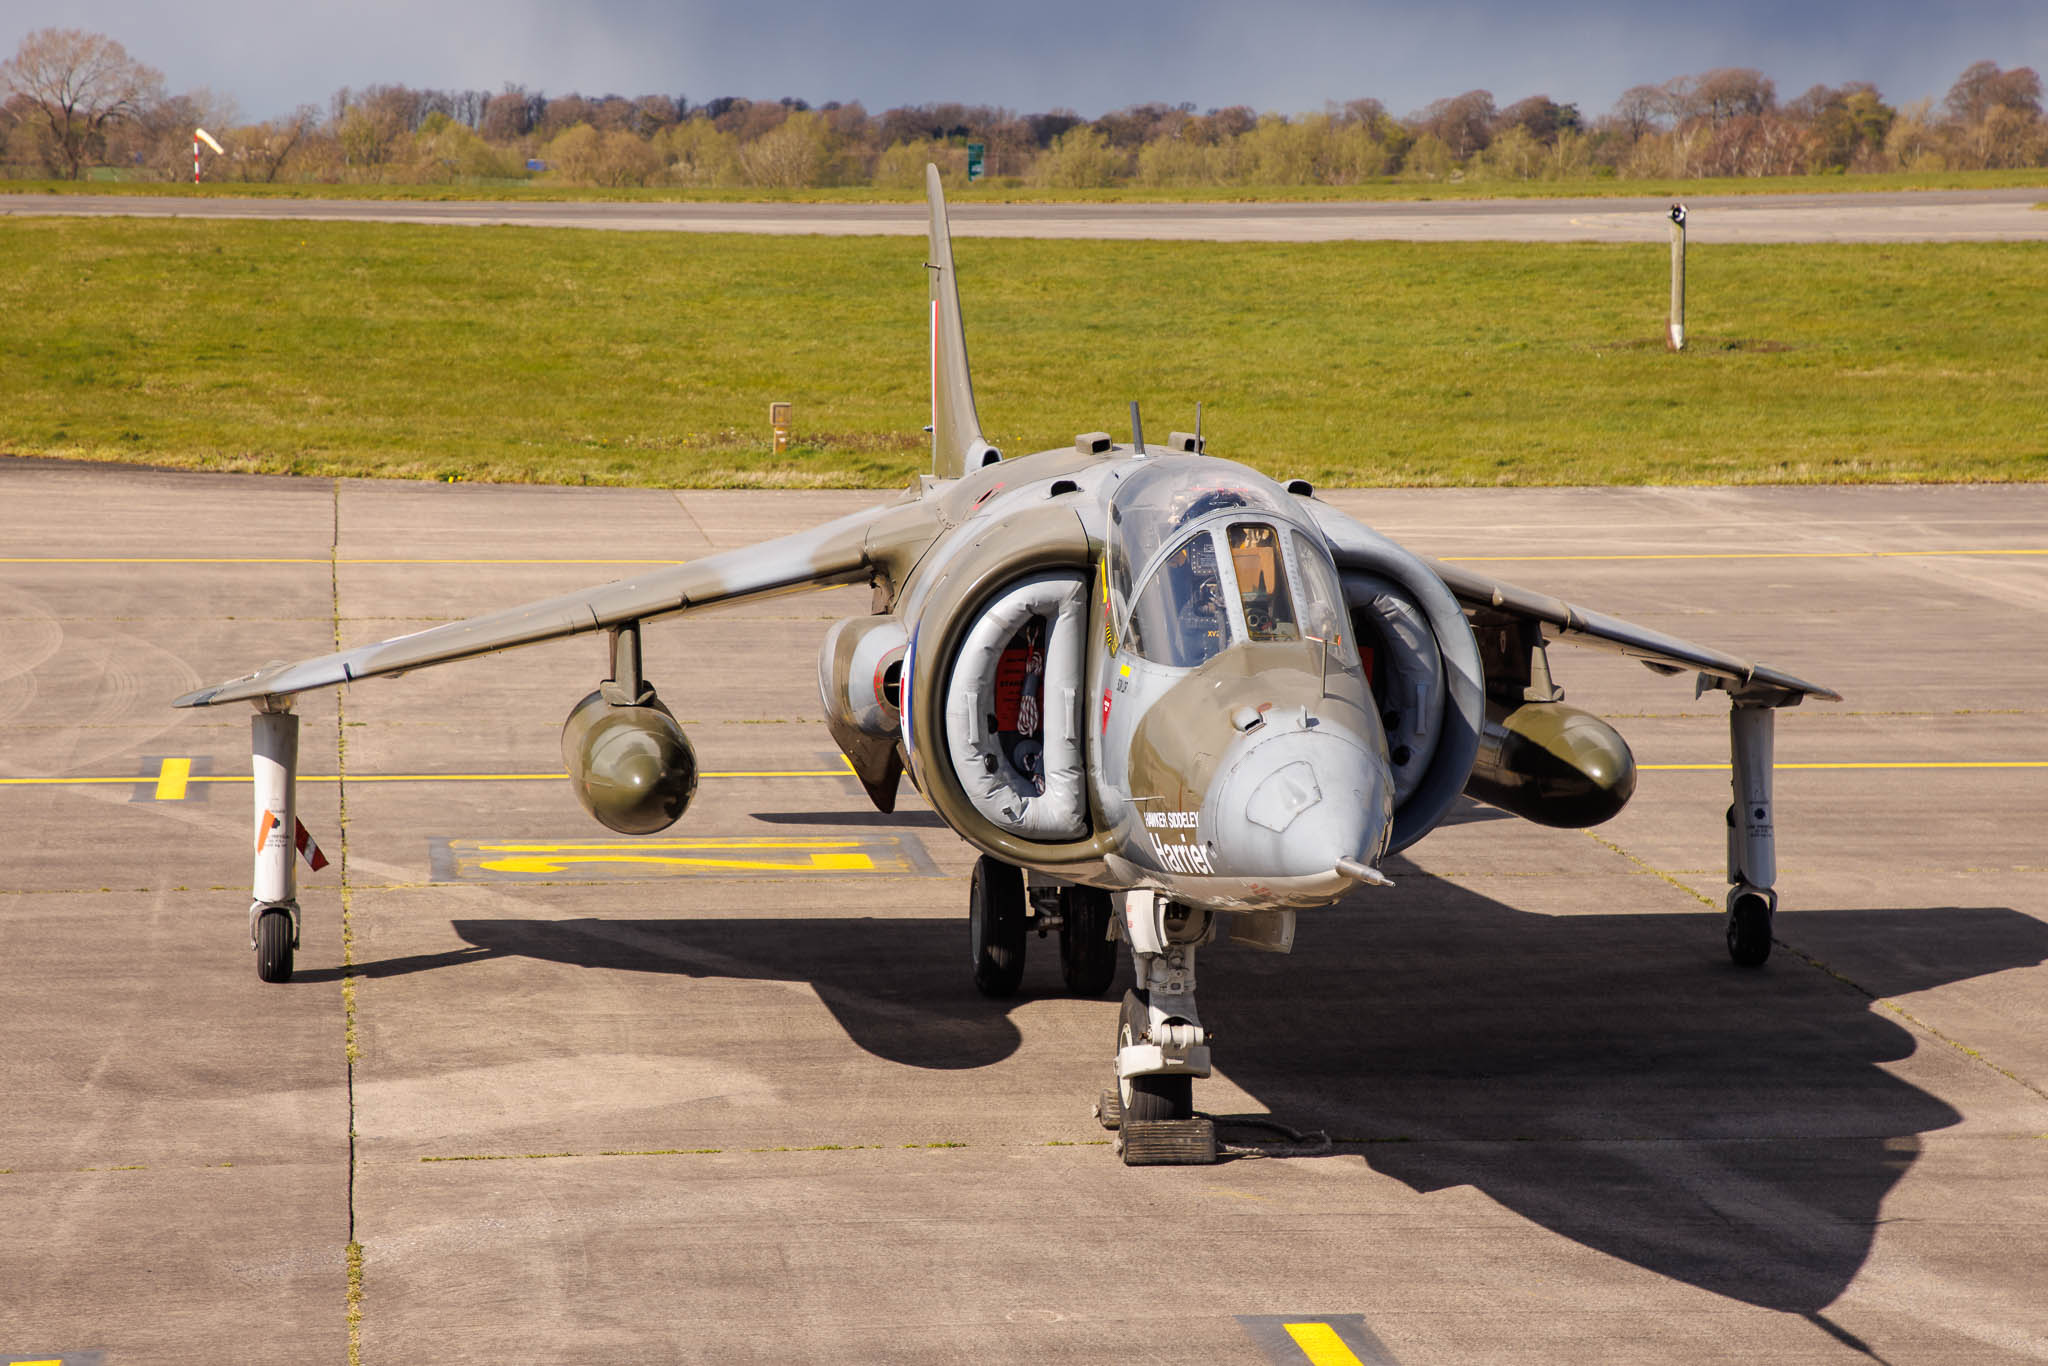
(1155, 1097)
(274, 946)
(1749, 927)
(995, 926)
(1087, 954)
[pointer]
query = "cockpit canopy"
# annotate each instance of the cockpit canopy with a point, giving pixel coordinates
(1201, 559)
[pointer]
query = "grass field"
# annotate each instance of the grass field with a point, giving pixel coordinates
(1012, 191)
(563, 356)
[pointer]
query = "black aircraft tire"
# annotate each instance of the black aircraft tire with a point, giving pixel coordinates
(995, 926)
(1749, 930)
(1087, 954)
(1154, 1097)
(274, 946)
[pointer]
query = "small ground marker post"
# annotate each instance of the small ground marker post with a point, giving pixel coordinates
(778, 421)
(1674, 332)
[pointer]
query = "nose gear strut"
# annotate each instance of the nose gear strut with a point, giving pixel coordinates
(1161, 1045)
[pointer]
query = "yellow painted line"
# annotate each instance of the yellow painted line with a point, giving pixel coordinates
(576, 848)
(171, 780)
(1321, 1345)
(284, 559)
(1448, 559)
(1902, 763)
(400, 777)
(1742, 555)
(555, 863)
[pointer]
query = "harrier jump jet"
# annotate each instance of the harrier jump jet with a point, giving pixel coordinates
(1168, 699)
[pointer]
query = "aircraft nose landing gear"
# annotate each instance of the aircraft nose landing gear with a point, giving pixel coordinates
(1161, 1046)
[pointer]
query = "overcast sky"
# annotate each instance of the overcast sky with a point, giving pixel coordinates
(1088, 55)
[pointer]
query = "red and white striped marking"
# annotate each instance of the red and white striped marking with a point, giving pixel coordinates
(309, 849)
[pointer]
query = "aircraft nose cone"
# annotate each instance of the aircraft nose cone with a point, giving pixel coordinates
(1294, 802)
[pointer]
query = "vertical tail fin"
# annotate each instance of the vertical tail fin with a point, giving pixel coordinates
(957, 444)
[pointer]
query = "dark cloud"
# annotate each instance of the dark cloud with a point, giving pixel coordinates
(1090, 55)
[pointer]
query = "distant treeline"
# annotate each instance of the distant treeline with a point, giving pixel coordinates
(75, 100)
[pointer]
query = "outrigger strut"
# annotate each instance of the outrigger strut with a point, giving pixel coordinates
(274, 769)
(1752, 836)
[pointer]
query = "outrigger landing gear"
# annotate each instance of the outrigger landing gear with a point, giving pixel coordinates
(274, 904)
(1161, 1046)
(1752, 838)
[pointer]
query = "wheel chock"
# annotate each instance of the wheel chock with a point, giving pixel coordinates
(1109, 1109)
(1168, 1142)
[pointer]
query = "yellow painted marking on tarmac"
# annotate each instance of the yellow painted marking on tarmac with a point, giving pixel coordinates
(1448, 559)
(189, 777)
(1321, 1345)
(132, 780)
(729, 842)
(784, 854)
(1744, 555)
(171, 779)
(290, 559)
(1902, 763)
(815, 863)
(818, 855)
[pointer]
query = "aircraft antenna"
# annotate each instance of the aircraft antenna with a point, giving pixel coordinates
(1198, 426)
(1137, 429)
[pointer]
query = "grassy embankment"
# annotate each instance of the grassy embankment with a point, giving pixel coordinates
(524, 354)
(1011, 191)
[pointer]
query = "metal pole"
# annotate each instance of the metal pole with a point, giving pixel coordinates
(1674, 332)
(195, 158)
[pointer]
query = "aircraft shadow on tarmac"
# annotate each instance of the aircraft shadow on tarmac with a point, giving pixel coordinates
(1607, 1076)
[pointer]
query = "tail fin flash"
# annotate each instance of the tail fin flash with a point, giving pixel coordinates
(957, 444)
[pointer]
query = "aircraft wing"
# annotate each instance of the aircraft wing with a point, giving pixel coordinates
(1566, 621)
(837, 552)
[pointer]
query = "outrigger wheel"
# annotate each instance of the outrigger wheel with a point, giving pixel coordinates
(1749, 926)
(1087, 954)
(995, 926)
(274, 946)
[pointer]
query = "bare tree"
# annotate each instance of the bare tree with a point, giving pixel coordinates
(1544, 118)
(1726, 92)
(511, 114)
(81, 82)
(1463, 122)
(266, 146)
(1639, 109)
(1983, 87)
